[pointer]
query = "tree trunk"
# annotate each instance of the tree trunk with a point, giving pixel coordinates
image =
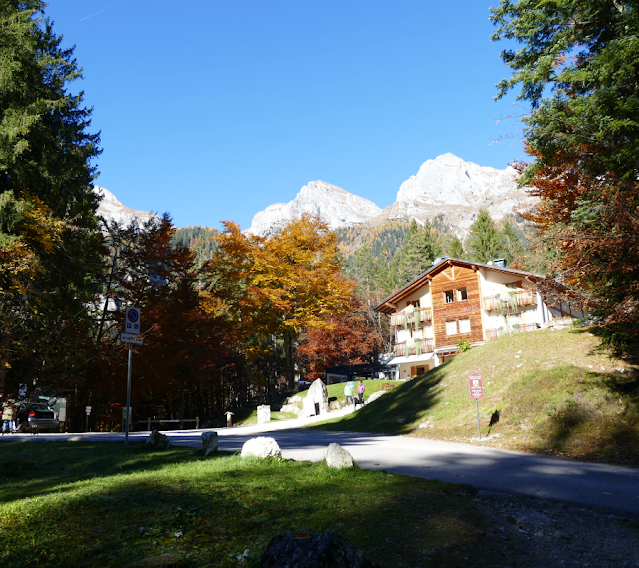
(291, 344)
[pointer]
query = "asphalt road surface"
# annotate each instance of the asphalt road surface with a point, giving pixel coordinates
(607, 487)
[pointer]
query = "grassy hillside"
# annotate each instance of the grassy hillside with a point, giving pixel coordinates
(554, 394)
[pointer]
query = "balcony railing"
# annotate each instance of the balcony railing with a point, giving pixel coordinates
(517, 328)
(401, 350)
(400, 319)
(519, 299)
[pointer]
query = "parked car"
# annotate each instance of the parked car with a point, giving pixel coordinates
(37, 417)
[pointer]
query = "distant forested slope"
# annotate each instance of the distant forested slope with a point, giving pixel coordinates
(199, 239)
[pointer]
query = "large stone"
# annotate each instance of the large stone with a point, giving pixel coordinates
(337, 457)
(316, 401)
(158, 440)
(261, 447)
(319, 550)
(210, 442)
(290, 408)
(263, 414)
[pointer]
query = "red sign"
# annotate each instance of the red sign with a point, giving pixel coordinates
(476, 385)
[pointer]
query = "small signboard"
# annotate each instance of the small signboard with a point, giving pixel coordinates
(22, 391)
(132, 321)
(131, 338)
(476, 385)
(88, 410)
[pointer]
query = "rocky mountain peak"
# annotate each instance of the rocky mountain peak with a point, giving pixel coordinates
(336, 206)
(111, 209)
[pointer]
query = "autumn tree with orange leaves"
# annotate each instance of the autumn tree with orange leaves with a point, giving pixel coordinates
(282, 285)
(349, 339)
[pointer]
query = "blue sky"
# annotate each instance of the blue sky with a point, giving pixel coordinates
(214, 110)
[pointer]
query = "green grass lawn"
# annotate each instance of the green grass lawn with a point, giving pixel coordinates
(97, 505)
(554, 392)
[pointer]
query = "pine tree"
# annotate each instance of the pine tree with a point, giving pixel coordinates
(421, 248)
(484, 240)
(48, 230)
(456, 249)
(513, 246)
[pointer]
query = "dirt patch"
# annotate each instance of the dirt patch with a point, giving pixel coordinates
(558, 535)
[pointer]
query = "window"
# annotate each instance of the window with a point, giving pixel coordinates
(451, 328)
(449, 296)
(464, 326)
(414, 303)
(512, 286)
(462, 294)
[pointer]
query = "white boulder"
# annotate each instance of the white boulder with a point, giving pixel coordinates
(337, 457)
(316, 401)
(261, 447)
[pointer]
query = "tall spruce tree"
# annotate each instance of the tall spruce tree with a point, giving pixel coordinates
(578, 67)
(421, 248)
(513, 245)
(456, 248)
(50, 250)
(484, 240)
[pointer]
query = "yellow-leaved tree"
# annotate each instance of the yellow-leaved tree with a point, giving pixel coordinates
(282, 285)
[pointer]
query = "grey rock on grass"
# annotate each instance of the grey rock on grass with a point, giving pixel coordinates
(158, 440)
(261, 447)
(210, 442)
(337, 457)
(319, 550)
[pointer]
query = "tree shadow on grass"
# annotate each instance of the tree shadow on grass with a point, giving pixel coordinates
(210, 511)
(607, 432)
(50, 467)
(397, 410)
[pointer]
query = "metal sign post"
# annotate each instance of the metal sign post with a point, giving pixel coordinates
(88, 411)
(132, 329)
(476, 386)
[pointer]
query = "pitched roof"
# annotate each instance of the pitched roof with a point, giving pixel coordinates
(390, 303)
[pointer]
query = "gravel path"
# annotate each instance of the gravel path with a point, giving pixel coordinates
(544, 534)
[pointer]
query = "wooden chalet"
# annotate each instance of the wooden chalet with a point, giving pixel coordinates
(460, 299)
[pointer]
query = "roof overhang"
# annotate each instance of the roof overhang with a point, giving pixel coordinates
(391, 303)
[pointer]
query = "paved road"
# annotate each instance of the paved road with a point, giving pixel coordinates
(608, 487)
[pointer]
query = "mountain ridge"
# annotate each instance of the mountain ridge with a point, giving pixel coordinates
(446, 185)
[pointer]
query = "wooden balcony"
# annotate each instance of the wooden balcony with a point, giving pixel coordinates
(524, 298)
(400, 319)
(402, 351)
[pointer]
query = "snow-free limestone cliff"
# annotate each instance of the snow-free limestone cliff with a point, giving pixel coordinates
(332, 204)
(446, 185)
(113, 210)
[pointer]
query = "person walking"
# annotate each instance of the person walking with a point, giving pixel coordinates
(360, 391)
(348, 392)
(9, 417)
